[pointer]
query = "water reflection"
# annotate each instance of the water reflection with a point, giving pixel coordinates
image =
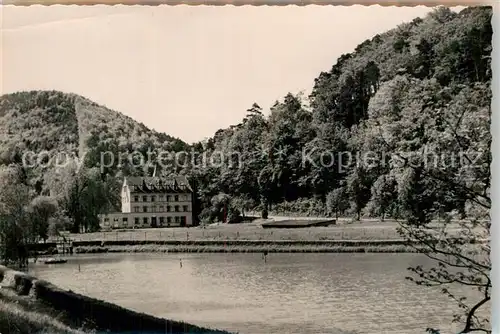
(291, 293)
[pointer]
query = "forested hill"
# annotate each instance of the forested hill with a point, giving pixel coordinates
(51, 145)
(424, 85)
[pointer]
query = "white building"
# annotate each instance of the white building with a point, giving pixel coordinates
(152, 202)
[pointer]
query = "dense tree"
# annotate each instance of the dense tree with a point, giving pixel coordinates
(15, 228)
(383, 197)
(83, 194)
(42, 209)
(337, 202)
(358, 186)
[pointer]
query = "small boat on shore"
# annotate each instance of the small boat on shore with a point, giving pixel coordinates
(55, 261)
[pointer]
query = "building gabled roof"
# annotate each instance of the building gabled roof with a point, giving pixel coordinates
(173, 184)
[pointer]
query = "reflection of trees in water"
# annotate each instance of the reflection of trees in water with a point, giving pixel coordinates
(24, 218)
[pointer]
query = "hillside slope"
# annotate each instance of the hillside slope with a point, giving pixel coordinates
(62, 123)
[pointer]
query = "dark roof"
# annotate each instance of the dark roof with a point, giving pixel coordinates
(175, 184)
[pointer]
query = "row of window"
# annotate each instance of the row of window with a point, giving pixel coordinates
(161, 220)
(152, 220)
(161, 198)
(160, 208)
(136, 188)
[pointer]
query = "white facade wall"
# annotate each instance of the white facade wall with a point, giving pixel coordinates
(143, 220)
(140, 210)
(126, 199)
(159, 203)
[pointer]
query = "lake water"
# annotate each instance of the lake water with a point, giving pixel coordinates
(291, 293)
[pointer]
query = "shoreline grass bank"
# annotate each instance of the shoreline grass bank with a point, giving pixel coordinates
(246, 246)
(19, 315)
(250, 232)
(29, 305)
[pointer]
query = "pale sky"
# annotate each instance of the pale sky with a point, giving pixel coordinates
(183, 70)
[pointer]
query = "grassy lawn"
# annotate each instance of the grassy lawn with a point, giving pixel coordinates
(249, 232)
(369, 229)
(21, 315)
